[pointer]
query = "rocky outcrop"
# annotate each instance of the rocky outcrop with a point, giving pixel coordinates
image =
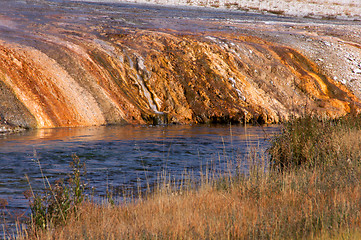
(62, 69)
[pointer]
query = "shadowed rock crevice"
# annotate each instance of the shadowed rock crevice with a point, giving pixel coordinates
(12, 111)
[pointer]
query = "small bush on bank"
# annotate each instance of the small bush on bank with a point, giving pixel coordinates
(56, 202)
(310, 142)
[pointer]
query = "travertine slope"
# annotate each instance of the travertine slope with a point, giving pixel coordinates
(94, 64)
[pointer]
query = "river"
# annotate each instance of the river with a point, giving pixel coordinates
(121, 157)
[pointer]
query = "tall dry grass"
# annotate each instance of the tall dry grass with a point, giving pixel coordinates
(305, 200)
(310, 142)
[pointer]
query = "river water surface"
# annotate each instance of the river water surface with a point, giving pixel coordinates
(121, 157)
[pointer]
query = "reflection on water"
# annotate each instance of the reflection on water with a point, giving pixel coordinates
(119, 156)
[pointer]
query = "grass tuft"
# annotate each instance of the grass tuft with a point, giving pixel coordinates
(310, 142)
(53, 206)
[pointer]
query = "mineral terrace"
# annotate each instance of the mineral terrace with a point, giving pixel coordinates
(67, 64)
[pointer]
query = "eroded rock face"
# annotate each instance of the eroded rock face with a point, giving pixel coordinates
(93, 64)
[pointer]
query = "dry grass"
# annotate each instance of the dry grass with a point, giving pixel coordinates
(305, 201)
(310, 142)
(292, 205)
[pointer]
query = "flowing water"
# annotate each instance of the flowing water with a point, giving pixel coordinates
(121, 157)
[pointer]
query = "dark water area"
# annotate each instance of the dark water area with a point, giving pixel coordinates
(121, 157)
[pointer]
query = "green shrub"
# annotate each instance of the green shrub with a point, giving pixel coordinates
(53, 205)
(311, 142)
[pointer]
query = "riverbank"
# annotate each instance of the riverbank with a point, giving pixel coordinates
(311, 191)
(6, 129)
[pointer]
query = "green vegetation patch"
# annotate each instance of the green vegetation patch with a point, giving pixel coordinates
(310, 142)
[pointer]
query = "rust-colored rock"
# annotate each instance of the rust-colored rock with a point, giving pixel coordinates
(61, 70)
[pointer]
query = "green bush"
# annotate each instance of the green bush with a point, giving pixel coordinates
(311, 142)
(53, 205)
